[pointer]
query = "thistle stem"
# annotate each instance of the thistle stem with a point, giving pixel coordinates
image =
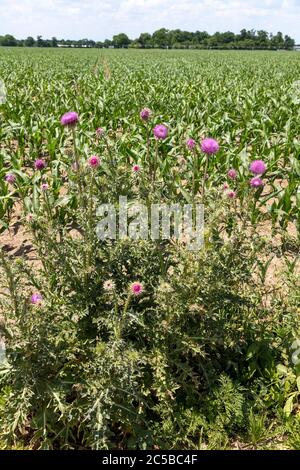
(78, 169)
(155, 161)
(204, 179)
(195, 172)
(120, 326)
(90, 221)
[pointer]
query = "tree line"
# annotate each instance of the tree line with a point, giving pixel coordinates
(164, 38)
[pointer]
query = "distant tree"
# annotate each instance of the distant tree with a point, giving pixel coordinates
(54, 42)
(29, 42)
(262, 36)
(135, 44)
(277, 41)
(121, 40)
(160, 37)
(200, 36)
(288, 42)
(227, 37)
(262, 39)
(47, 43)
(107, 43)
(243, 34)
(176, 38)
(145, 39)
(8, 40)
(215, 40)
(251, 34)
(39, 41)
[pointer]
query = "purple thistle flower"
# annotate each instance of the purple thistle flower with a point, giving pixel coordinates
(258, 167)
(191, 144)
(160, 132)
(231, 194)
(136, 288)
(232, 174)
(209, 146)
(145, 114)
(44, 187)
(10, 178)
(225, 186)
(100, 132)
(256, 182)
(94, 161)
(136, 168)
(36, 299)
(39, 164)
(69, 119)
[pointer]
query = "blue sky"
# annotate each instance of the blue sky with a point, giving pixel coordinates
(100, 19)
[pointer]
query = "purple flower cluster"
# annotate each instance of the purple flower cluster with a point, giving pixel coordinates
(136, 168)
(191, 144)
(160, 132)
(10, 178)
(136, 288)
(145, 114)
(39, 164)
(258, 167)
(69, 119)
(209, 146)
(100, 132)
(94, 161)
(36, 299)
(232, 174)
(231, 194)
(256, 182)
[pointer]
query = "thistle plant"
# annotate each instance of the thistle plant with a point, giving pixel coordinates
(139, 344)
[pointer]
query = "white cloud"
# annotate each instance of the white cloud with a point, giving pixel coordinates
(98, 19)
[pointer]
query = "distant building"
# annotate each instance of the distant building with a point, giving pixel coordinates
(297, 47)
(73, 45)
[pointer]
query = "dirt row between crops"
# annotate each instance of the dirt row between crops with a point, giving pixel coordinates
(17, 242)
